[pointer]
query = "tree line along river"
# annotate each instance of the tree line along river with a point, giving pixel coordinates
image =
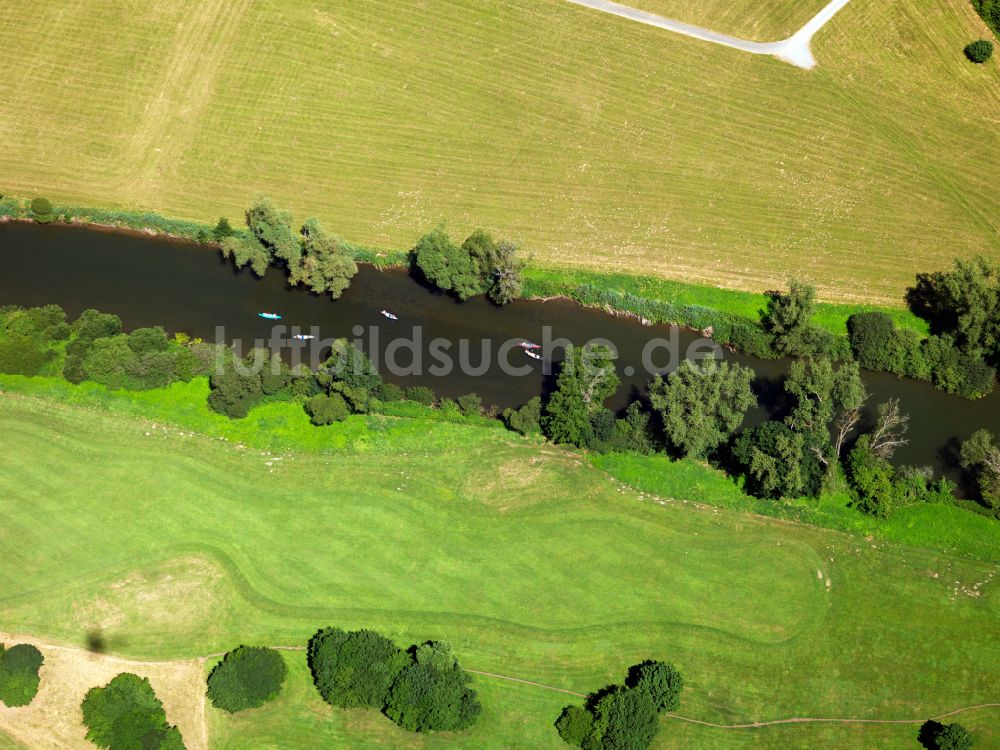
(150, 281)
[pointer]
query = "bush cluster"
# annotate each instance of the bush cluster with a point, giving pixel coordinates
(30, 339)
(422, 689)
(480, 265)
(311, 257)
(980, 457)
(624, 717)
(238, 385)
(979, 51)
(41, 210)
(878, 345)
(247, 677)
(126, 714)
(100, 351)
(879, 488)
(19, 679)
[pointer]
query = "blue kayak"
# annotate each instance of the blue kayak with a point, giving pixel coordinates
(270, 316)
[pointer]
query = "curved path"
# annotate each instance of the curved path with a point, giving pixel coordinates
(795, 49)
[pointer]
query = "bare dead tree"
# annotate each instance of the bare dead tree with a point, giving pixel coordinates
(991, 461)
(843, 427)
(890, 429)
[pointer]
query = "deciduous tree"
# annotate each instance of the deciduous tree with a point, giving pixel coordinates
(126, 714)
(787, 317)
(247, 677)
(354, 669)
(702, 404)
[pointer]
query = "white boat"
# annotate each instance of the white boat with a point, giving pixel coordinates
(303, 336)
(532, 354)
(389, 315)
(526, 345)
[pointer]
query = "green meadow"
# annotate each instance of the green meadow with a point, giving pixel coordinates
(172, 539)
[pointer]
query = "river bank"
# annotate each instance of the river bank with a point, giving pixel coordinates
(688, 301)
(149, 281)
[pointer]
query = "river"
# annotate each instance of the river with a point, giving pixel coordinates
(185, 287)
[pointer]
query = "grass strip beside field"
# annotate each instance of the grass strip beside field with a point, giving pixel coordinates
(544, 282)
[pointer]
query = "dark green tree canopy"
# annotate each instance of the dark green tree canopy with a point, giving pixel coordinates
(312, 257)
(980, 456)
(934, 735)
(326, 409)
(828, 403)
(41, 208)
(432, 694)
(350, 365)
(420, 394)
(526, 419)
(587, 379)
(624, 717)
(979, 51)
(326, 264)
(773, 456)
(247, 677)
(963, 303)
(355, 669)
(661, 681)
(871, 335)
(223, 229)
(447, 265)
(146, 340)
(19, 679)
(125, 714)
(423, 690)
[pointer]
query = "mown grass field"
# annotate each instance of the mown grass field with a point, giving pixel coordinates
(762, 20)
(598, 143)
(533, 563)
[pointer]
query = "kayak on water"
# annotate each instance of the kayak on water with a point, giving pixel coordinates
(533, 355)
(526, 345)
(302, 336)
(389, 315)
(269, 316)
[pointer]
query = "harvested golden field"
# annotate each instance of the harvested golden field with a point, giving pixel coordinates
(597, 142)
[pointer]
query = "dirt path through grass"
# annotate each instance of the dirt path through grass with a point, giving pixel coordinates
(69, 672)
(794, 50)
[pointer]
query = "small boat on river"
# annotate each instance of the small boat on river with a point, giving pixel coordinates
(389, 315)
(527, 345)
(303, 337)
(269, 316)
(532, 354)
